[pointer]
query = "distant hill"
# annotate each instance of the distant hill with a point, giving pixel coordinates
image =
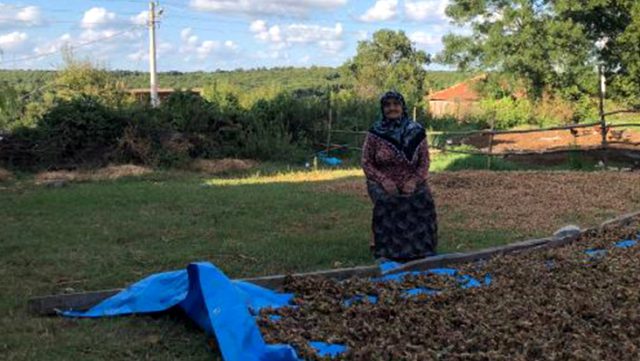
(288, 78)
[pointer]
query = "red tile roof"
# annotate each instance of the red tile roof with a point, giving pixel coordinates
(163, 90)
(464, 91)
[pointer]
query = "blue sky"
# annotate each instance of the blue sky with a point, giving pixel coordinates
(209, 34)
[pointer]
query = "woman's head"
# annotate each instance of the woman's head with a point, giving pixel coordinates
(393, 106)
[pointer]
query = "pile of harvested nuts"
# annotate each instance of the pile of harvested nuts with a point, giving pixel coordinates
(554, 304)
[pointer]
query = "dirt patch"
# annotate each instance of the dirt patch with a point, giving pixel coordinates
(525, 202)
(556, 304)
(217, 166)
(5, 175)
(582, 138)
(119, 171)
(108, 173)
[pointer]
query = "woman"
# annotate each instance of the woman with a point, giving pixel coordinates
(395, 159)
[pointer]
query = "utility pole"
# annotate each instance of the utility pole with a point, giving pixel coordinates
(155, 101)
(329, 125)
(602, 92)
(603, 122)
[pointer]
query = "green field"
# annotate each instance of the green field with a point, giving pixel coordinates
(102, 235)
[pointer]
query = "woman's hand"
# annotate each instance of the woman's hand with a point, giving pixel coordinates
(390, 188)
(409, 187)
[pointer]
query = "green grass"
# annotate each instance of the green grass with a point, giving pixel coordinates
(102, 235)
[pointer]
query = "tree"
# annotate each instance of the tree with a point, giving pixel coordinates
(524, 38)
(612, 28)
(388, 61)
(10, 107)
(553, 45)
(83, 78)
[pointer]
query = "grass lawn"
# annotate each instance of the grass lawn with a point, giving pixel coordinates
(100, 235)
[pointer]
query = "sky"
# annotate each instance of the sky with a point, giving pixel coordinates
(207, 35)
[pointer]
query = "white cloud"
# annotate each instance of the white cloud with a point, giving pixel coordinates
(274, 34)
(206, 48)
(140, 19)
(143, 53)
(382, 10)
(13, 41)
(424, 39)
(328, 38)
(230, 45)
(20, 16)
(362, 35)
(191, 45)
(262, 7)
(258, 26)
(30, 15)
(189, 41)
(332, 46)
(430, 10)
(53, 45)
(105, 44)
(96, 17)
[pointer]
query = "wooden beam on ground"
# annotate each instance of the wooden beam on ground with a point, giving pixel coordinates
(50, 305)
(489, 131)
(457, 258)
(276, 282)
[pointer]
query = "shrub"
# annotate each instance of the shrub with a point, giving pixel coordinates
(505, 113)
(187, 112)
(79, 130)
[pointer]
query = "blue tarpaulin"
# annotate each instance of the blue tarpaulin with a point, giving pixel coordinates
(217, 304)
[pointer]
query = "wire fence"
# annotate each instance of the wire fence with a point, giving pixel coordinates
(448, 146)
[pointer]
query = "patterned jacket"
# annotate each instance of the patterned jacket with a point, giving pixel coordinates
(384, 162)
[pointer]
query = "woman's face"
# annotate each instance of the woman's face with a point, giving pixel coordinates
(392, 109)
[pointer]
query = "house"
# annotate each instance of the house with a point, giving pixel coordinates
(144, 94)
(458, 101)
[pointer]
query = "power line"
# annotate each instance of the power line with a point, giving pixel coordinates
(71, 46)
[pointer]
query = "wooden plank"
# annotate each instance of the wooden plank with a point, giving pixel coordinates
(622, 111)
(457, 258)
(275, 282)
(489, 131)
(51, 305)
(621, 125)
(623, 220)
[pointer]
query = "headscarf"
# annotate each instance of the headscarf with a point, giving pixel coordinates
(403, 133)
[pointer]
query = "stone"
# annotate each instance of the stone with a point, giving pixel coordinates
(56, 183)
(566, 231)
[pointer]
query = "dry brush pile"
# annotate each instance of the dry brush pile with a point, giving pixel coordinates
(555, 304)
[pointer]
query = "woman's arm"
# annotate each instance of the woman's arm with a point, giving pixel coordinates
(424, 160)
(421, 171)
(369, 167)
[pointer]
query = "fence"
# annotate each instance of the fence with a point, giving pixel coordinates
(491, 133)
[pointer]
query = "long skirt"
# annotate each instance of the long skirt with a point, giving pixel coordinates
(404, 226)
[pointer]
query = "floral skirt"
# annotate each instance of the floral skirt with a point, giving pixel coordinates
(404, 226)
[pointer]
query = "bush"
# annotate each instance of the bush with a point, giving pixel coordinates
(187, 112)
(9, 106)
(507, 112)
(79, 130)
(271, 141)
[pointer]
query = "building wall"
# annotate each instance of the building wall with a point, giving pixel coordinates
(457, 109)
